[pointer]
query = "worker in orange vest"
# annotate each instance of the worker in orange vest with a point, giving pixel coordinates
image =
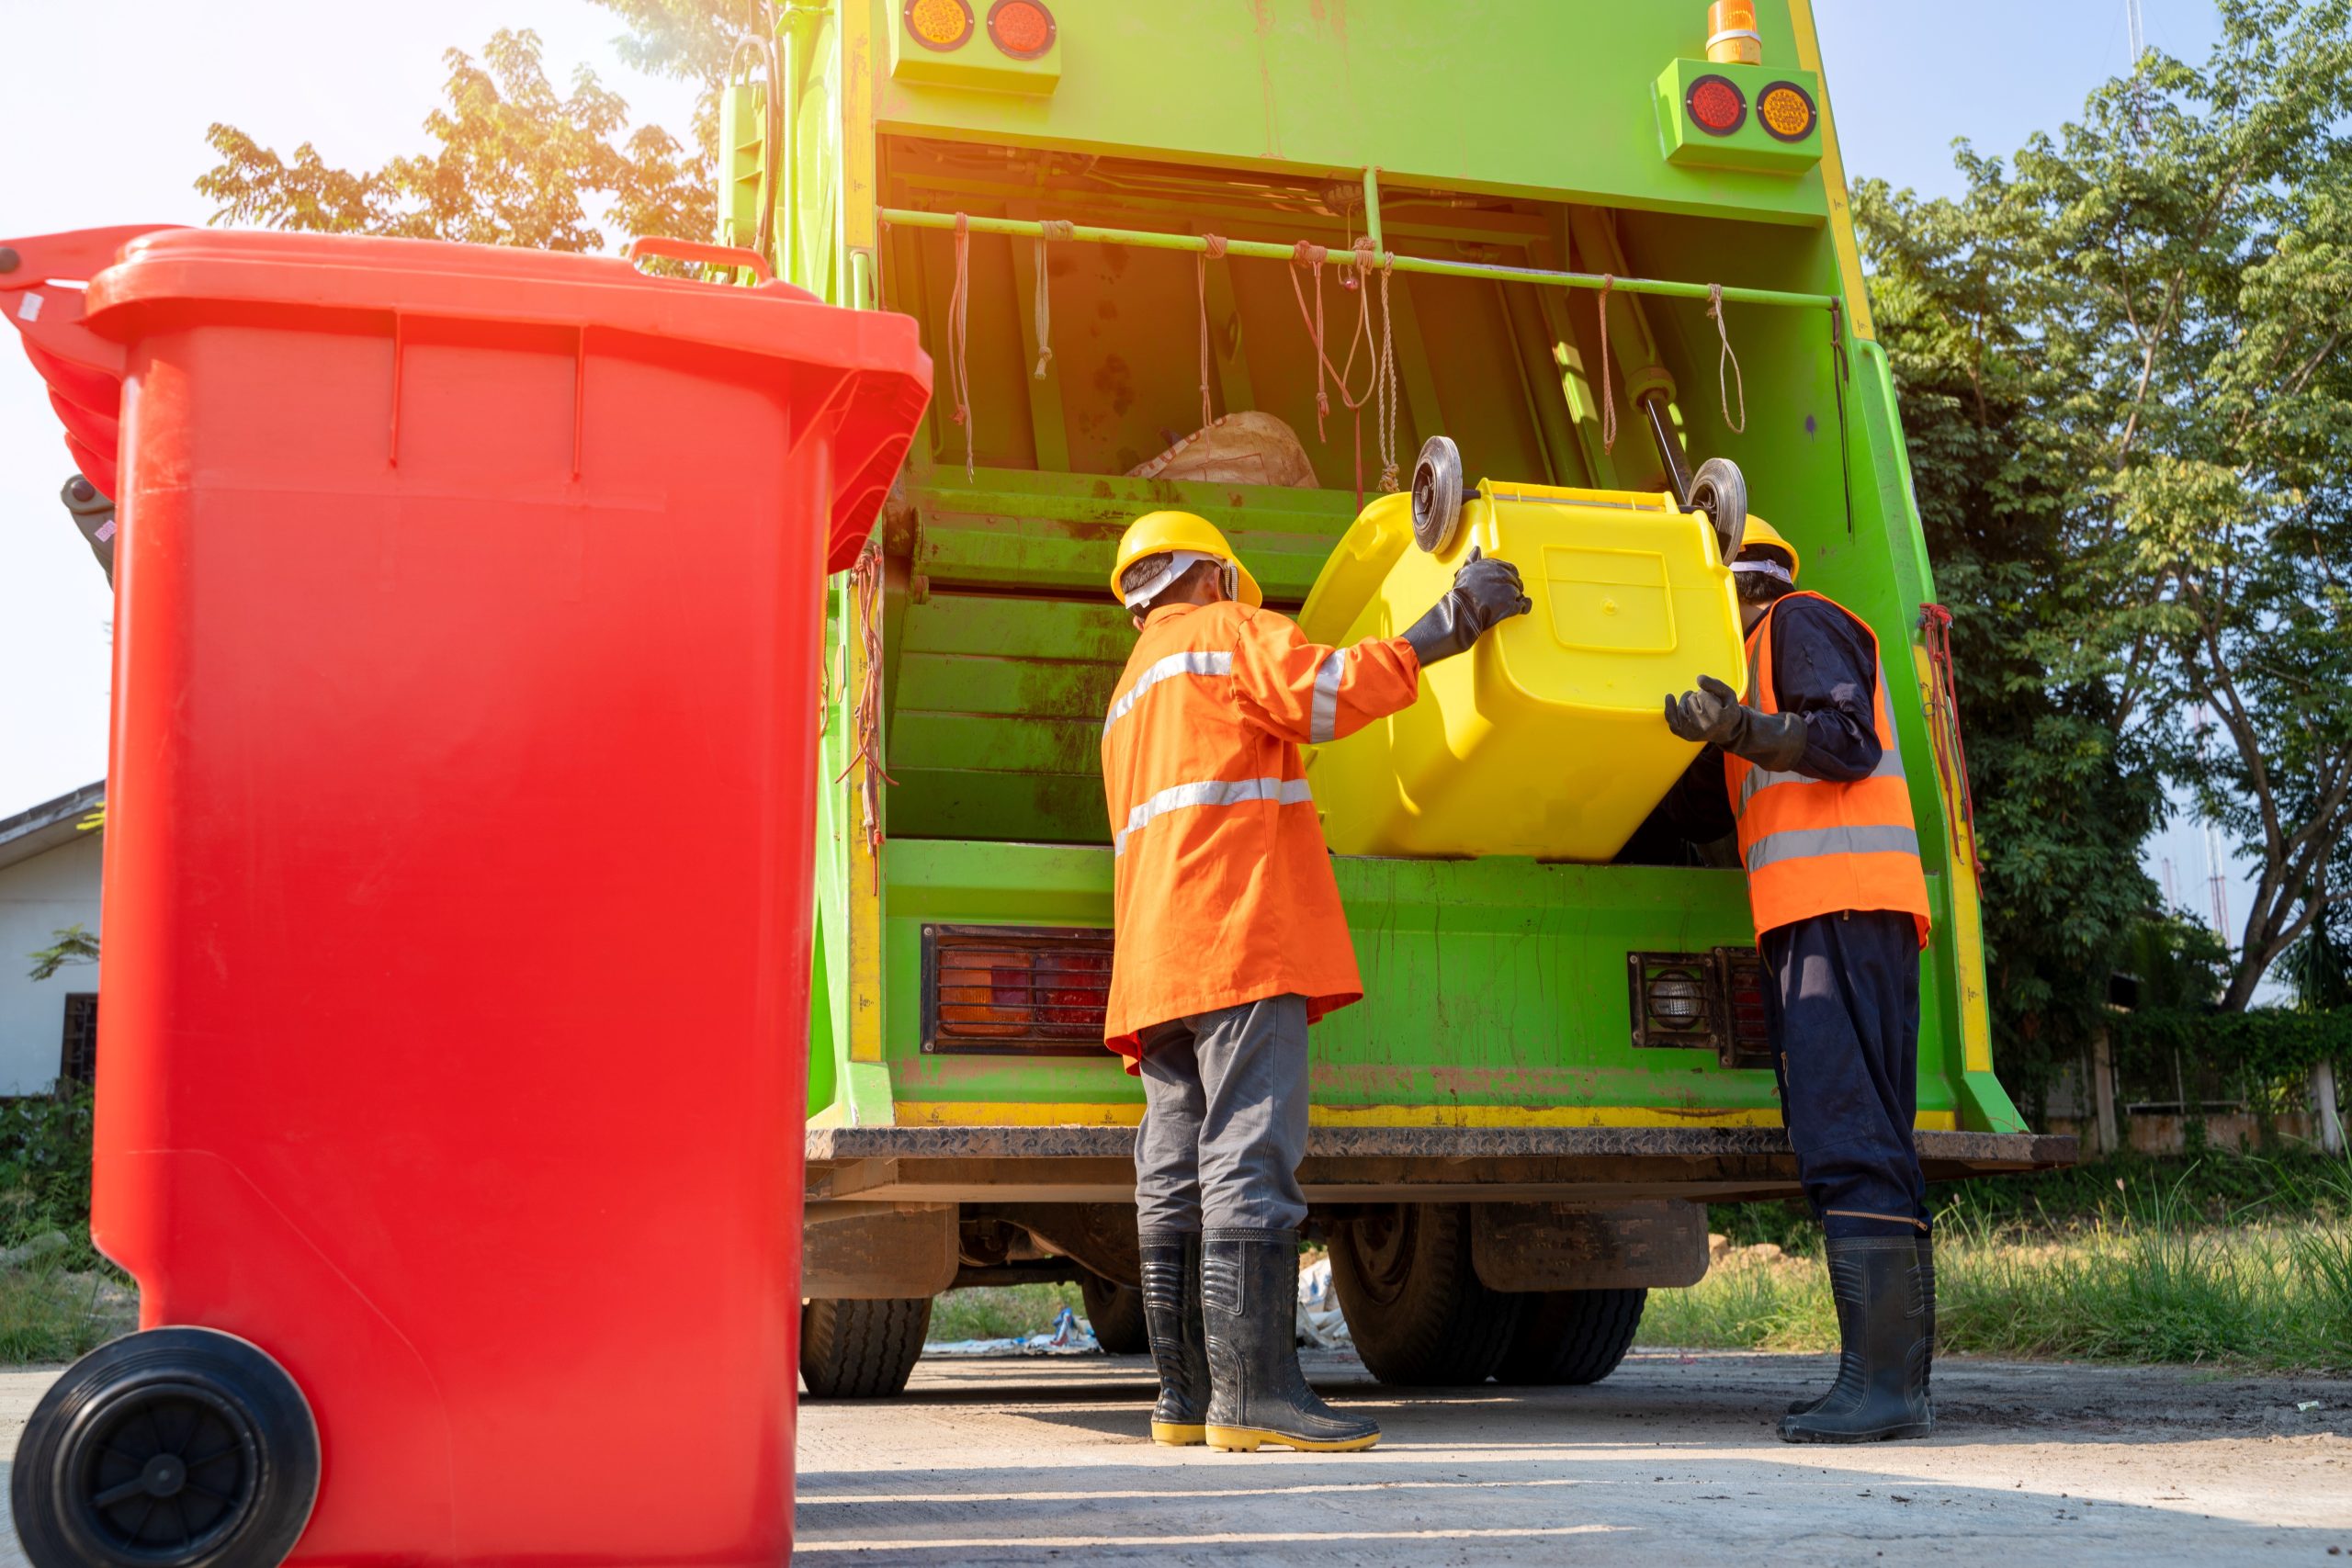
(1814, 781)
(1231, 942)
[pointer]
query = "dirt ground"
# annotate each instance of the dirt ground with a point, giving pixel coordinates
(1673, 1461)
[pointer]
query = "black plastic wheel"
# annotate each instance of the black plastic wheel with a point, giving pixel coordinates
(861, 1349)
(1572, 1336)
(177, 1447)
(1720, 491)
(1437, 494)
(1115, 1313)
(1417, 1311)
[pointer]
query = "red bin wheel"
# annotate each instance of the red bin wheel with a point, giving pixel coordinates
(177, 1447)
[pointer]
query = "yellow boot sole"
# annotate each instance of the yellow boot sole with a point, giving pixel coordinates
(1171, 1436)
(1249, 1439)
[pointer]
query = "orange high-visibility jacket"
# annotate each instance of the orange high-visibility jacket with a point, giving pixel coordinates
(1224, 887)
(1813, 847)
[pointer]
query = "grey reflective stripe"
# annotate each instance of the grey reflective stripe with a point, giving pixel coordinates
(1211, 791)
(1161, 670)
(1890, 757)
(1325, 722)
(1803, 843)
(1889, 766)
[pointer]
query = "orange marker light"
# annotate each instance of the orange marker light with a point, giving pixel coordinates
(1021, 29)
(1716, 105)
(1732, 37)
(1786, 110)
(942, 25)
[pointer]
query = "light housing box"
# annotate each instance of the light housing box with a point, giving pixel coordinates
(1728, 116)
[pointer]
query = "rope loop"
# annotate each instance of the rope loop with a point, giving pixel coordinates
(1608, 389)
(1042, 310)
(959, 336)
(1306, 254)
(1723, 336)
(1213, 246)
(1057, 228)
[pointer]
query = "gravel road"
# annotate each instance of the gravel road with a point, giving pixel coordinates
(1670, 1461)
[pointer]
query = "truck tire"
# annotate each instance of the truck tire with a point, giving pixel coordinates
(1115, 1313)
(1571, 1336)
(1417, 1311)
(861, 1349)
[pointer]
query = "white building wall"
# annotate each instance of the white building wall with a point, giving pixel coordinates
(40, 897)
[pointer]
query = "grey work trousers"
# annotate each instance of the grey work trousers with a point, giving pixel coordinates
(1225, 1119)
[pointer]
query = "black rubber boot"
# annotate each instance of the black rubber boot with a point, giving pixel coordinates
(1171, 1316)
(1882, 1387)
(1258, 1396)
(1925, 1254)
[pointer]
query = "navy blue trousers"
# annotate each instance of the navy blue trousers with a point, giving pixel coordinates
(1843, 999)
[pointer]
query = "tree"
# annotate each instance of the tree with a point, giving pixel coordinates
(2138, 328)
(2064, 782)
(73, 946)
(2319, 967)
(515, 163)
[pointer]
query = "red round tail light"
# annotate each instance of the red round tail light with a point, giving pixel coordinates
(1021, 29)
(1717, 105)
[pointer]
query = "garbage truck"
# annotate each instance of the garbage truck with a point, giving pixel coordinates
(1250, 261)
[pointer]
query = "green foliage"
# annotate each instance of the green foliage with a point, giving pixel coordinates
(1000, 1312)
(514, 164)
(2124, 358)
(45, 1170)
(2260, 1043)
(73, 946)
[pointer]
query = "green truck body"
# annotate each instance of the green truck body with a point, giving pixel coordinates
(1489, 183)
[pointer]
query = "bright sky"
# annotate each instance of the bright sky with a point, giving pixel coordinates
(123, 141)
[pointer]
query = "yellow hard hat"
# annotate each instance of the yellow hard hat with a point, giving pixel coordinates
(1760, 534)
(1156, 533)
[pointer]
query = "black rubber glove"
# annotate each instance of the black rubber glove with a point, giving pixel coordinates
(1713, 715)
(1485, 593)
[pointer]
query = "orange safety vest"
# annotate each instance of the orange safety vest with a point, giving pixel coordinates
(1813, 847)
(1223, 891)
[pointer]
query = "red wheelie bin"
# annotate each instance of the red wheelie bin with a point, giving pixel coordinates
(457, 891)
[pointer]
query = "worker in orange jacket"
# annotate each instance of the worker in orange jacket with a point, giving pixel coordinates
(1231, 940)
(1814, 781)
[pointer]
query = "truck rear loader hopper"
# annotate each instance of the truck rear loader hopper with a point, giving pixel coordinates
(1557, 234)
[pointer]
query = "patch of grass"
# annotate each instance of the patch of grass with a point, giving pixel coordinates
(2147, 1276)
(1000, 1312)
(52, 1314)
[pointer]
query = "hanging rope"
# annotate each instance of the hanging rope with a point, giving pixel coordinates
(1723, 336)
(1042, 310)
(959, 337)
(866, 588)
(1838, 384)
(1311, 256)
(1608, 391)
(1380, 352)
(1214, 251)
(1388, 385)
(1049, 228)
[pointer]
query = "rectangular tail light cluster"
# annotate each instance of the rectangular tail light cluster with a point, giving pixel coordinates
(1703, 1001)
(1014, 990)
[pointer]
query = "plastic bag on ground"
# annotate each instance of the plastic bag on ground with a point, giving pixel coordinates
(1069, 1336)
(1320, 1323)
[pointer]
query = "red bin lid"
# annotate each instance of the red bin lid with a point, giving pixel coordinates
(136, 275)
